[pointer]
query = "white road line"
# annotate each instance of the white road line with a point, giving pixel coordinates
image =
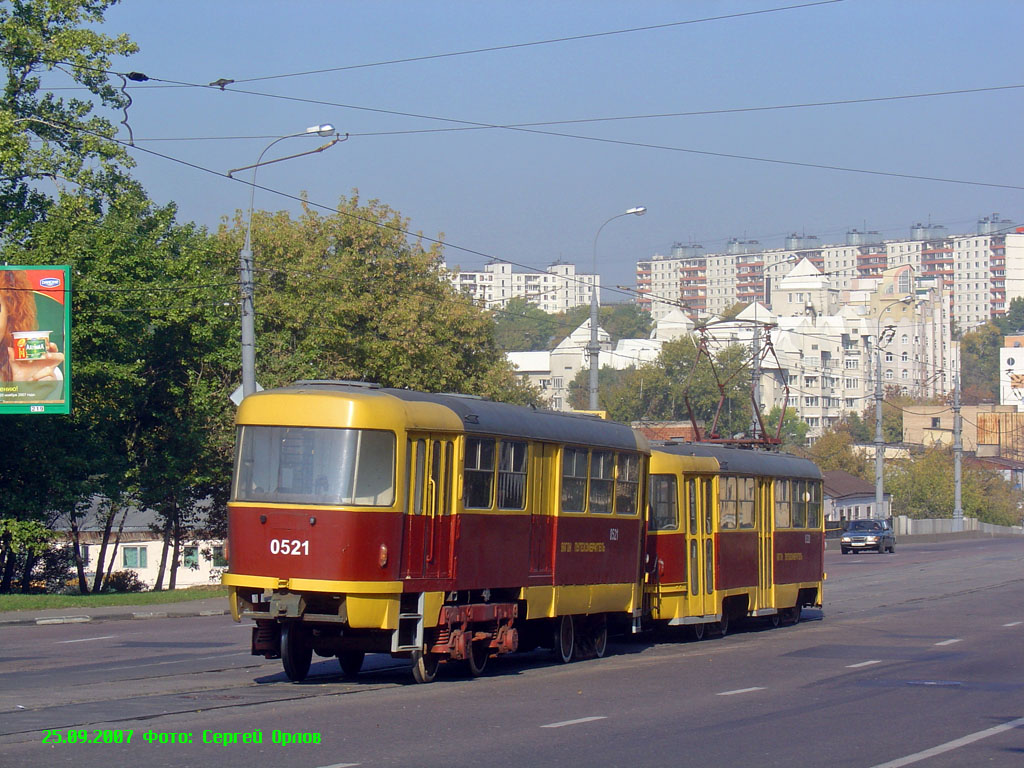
(949, 746)
(1014, 624)
(864, 664)
(739, 690)
(340, 765)
(951, 641)
(575, 722)
(85, 639)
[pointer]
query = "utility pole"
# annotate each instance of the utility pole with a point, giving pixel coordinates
(755, 382)
(958, 449)
(879, 443)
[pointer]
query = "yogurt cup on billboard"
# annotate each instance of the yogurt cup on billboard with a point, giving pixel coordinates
(30, 345)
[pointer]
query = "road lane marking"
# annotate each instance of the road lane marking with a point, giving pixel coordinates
(575, 722)
(951, 641)
(340, 765)
(85, 639)
(949, 746)
(864, 664)
(739, 690)
(1014, 624)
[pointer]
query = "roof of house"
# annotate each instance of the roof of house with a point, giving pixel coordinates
(840, 484)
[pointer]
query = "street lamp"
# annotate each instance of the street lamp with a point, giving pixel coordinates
(594, 347)
(246, 286)
(879, 443)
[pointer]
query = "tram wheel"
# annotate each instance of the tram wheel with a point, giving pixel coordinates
(599, 636)
(424, 666)
(697, 631)
(479, 652)
(565, 639)
(296, 653)
(774, 620)
(723, 624)
(351, 662)
(793, 614)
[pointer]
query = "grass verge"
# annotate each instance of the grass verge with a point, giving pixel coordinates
(43, 602)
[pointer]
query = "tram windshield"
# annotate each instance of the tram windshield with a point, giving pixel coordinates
(315, 465)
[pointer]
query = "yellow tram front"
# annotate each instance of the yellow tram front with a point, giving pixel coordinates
(315, 523)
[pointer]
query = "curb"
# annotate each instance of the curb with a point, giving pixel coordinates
(135, 615)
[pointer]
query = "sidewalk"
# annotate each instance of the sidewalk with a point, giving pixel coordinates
(211, 606)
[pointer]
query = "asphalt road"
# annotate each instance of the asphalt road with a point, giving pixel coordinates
(916, 659)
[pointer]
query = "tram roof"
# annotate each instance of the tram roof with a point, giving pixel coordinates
(487, 417)
(745, 461)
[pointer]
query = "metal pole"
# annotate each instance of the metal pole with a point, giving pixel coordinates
(594, 345)
(958, 449)
(879, 443)
(246, 284)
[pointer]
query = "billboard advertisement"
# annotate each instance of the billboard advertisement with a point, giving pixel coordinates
(35, 331)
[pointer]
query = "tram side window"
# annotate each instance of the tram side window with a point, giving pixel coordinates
(627, 484)
(691, 505)
(602, 481)
(512, 475)
(814, 505)
(664, 514)
(783, 510)
(799, 503)
(479, 473)
(727, 501)
(574, 479)
(747, 488)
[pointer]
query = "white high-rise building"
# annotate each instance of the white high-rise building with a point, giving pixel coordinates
(555, 290)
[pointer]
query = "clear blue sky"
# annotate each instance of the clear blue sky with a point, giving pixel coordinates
(532, 198)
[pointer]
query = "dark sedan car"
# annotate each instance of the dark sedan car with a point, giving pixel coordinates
(868, 534)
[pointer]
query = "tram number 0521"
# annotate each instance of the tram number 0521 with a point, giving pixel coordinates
(289, 547)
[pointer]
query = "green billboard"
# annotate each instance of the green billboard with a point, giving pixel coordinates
(35, 335)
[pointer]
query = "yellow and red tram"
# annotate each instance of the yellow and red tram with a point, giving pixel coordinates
(732, 533)
(444, 527)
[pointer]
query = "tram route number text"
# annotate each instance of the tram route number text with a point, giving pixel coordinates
(289, 547)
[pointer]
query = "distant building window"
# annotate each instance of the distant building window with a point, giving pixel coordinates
(219, 561)
(134, 557)
(936, 422)
(190, 557)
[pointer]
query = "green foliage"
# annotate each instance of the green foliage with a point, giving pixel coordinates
(346, 296)
(660, 391)
(834, 450)
(523, 327)
(794, 429)
(42, 134)
(124, 581)
(979, 364)
(620, 321)
(1013, 322)
(923, 488)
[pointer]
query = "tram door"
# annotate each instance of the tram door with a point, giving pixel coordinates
(700, 544)
(429, 524)
(542, 512)
(765, 548)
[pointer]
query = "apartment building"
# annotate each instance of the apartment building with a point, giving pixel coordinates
(979, 269)
(557, 289)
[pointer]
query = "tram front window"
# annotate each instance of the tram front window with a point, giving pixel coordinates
(315, 465)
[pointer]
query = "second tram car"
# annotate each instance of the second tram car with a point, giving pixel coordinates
(445, 527)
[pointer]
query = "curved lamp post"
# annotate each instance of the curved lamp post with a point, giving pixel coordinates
(594, 346)
(246, 286)
(879, 442)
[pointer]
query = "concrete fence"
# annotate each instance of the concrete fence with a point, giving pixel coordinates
(907, 526)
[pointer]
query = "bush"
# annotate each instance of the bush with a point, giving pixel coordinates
(124, 581)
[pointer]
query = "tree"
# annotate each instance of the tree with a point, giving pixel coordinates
(347, 296)
(834, 450)
(1013, 322)
(620, 321)
(46, 136)
(154, 361)
(923, 487)
(794, 429)
(979, 364)
(523, 327)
